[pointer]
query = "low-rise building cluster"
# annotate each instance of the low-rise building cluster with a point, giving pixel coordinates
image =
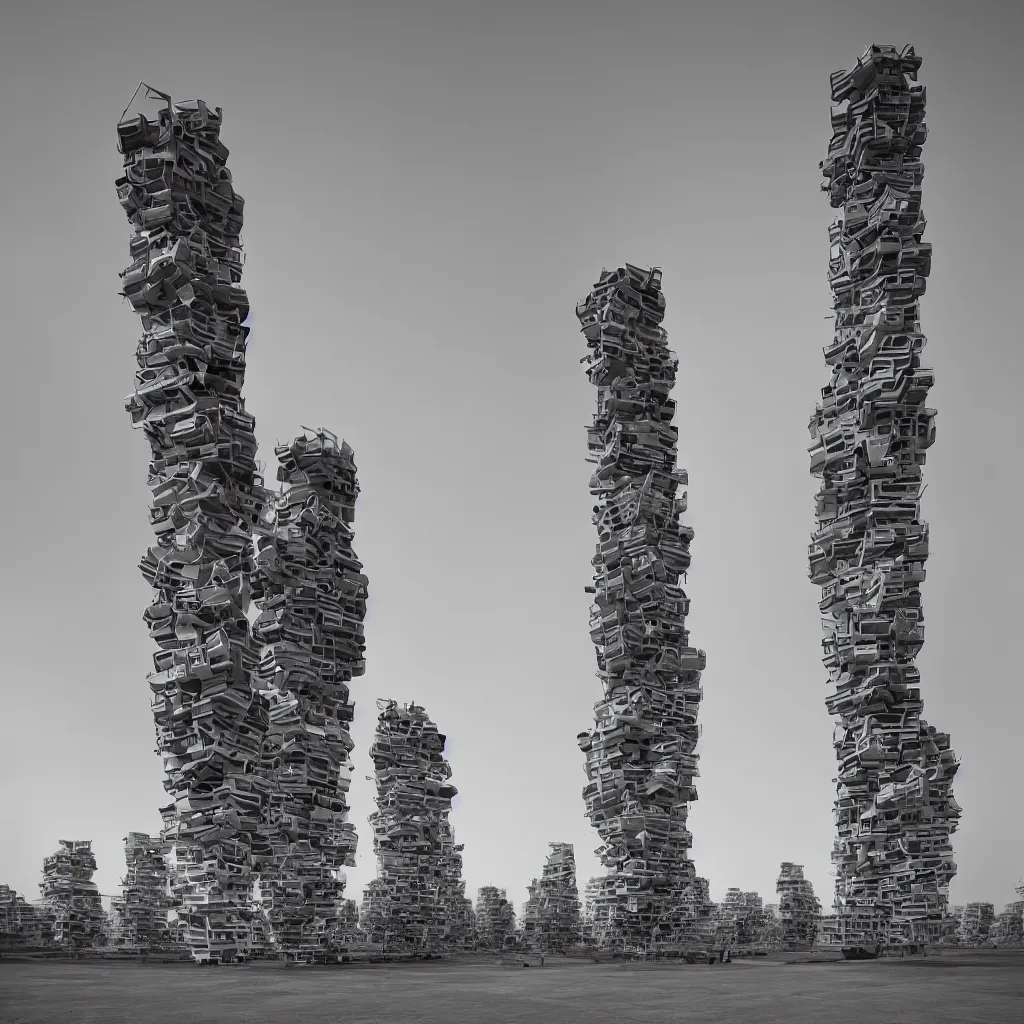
(24, 925)
(1008, 926)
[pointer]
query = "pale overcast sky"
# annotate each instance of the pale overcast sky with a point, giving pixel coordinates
(430, 188)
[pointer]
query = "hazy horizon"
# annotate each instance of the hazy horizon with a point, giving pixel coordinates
(429, 190)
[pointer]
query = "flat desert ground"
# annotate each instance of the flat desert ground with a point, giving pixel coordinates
(953, 987)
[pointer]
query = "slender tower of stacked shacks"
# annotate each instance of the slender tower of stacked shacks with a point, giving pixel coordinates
(414, 797)
(138, 917)
(798, 906)
(456, 906)
(185, 284)
(495, 918)
(894, 808)
(640, 755)
(71, 895)
(551, 917)
(311, 592)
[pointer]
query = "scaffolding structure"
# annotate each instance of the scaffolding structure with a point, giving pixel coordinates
(894, 807)
(640, 755)
(185, 284)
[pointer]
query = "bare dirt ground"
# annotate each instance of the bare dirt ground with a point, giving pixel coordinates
(955, 987)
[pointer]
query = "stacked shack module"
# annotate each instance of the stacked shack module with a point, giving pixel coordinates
(640, 755)
(71, 895)
(414, 798)
(185, 285)
(551, 918)
(894, 808)
(311, 593)
(138, 917)
(798, 906)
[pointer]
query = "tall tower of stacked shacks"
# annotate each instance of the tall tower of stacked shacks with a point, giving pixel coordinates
(138, 917)
(741, 919)
(71, 895)
(414, 798)
(640, 755)
(551, 919)
(798, 906)
(185, 284)
(456, 906)
(311, 593)
(495, 918)
(375, 911)
(894, 808)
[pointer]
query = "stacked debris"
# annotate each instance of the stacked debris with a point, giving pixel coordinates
(457, 908)
(894, 808)
(70, 893)
(138, 917)
(799, 908)
(975, 923)
(495, 918)
(640, 755)
(551, 916)
(311, 593)
(185, 285)
(414, 797)
(1008, 927)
